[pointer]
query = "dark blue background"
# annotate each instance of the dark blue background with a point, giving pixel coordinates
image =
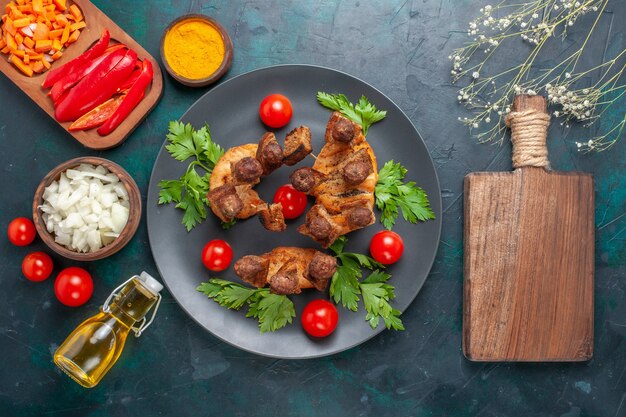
(177, 369)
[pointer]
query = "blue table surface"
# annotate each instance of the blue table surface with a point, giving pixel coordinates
(178, 369)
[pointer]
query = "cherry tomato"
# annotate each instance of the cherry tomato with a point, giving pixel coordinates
(217, 255)
(22, 231)
(319, 318)
(37, 266)
(386, 247)
(275, 110)
(73, 286)
(293, 201)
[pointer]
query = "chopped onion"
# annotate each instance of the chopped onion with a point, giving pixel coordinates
(86, 209)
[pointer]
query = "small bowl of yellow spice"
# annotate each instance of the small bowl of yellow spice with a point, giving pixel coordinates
(196, 50)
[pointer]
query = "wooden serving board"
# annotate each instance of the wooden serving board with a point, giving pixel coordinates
(529, 263)
(96, 21)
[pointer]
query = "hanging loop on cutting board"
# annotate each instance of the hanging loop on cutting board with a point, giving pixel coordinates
(529, 121)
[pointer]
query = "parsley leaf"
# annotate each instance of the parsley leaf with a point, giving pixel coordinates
(364, 113)
(189, 192)
(345, 287)
(273, 311)
(393, 195)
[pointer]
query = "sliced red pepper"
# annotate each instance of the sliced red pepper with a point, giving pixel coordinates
(95, 51)
(131, 100)
(133, 77)
(75, 76)
(98, 86)
(96, 117)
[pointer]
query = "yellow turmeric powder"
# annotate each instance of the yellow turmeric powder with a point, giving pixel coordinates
(194, 48)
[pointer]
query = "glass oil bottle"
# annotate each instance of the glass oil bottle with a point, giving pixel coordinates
(95, 345)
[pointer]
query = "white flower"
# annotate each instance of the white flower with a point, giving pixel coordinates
(523, 24)
(557, 114)
(475, 74)
(568, 75)
(488, 120)
(578, 144)
(475, 125)
(535, 15)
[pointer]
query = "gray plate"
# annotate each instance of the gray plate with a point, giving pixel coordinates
(231, 110)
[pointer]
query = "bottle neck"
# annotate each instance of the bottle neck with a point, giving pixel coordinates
(132, 303)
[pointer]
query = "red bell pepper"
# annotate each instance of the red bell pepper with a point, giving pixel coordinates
(75, 76)
(96, 117)
(95, 51)
(131, 100)
(133, 77)
(97, 86)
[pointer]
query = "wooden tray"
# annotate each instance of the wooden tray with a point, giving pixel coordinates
(96, 21)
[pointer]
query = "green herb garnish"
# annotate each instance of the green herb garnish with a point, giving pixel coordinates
(346, 287)
(392, 194)
(273, 311)
(364, 113)
(189, 192)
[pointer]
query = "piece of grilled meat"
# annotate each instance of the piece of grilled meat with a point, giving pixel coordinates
(297, 145)
(287, 269)
(269, 153)
(272, 217)
(342, 180)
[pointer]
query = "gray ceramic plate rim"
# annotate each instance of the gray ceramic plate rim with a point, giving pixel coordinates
(438, 218)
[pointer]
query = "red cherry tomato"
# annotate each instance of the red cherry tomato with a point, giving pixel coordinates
(22, 231)
(275, 110)
(73, 286)
(293, 201)
(37, 266)
(217, 255)
(386, 247)
(319, 318)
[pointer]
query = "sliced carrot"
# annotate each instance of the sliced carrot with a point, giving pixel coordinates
(11, 44)
(66, 34)
(37, 6)
(5, 50)
(20, 23)
(43, 45)
(26, 8)
(60, 4)
(56, 45)
(18, 53)
(27, 59)
(3, 43)
(38, 67)
(73, 37)
(57, 55)
(8, 26)
(19, 39)
(29, 43)
(56, 33)
(20, 1)
(75, 11)
(62, 20)
(45, 63)
(21, 66)
(76, 26)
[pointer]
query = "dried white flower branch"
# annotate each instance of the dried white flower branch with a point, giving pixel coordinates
(535, 22)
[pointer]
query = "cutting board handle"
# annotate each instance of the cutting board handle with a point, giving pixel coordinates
(529, 120)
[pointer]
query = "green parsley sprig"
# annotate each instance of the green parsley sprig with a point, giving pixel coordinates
(392, 194)
(346, 287)
(273, 311)
(363, 113)
(189, 192)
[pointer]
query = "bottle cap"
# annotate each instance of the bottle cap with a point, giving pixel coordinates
(150, 283)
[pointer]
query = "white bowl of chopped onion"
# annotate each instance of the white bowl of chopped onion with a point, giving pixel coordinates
(87, 208)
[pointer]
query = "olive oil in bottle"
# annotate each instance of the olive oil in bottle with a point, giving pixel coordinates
(95, 345)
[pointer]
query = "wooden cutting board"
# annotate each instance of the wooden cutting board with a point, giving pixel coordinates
(528, 258)
(96, 22)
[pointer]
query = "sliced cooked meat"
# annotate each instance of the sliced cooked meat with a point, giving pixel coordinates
(247, 170)
(253, 270)
(360, 217)
(305, 179)
(356, 172)
(269, 153)
(272, 217)
(320, 226)
(285, 281)
(226, 201)
(343, 131)
(297, 145)
(321, 270)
